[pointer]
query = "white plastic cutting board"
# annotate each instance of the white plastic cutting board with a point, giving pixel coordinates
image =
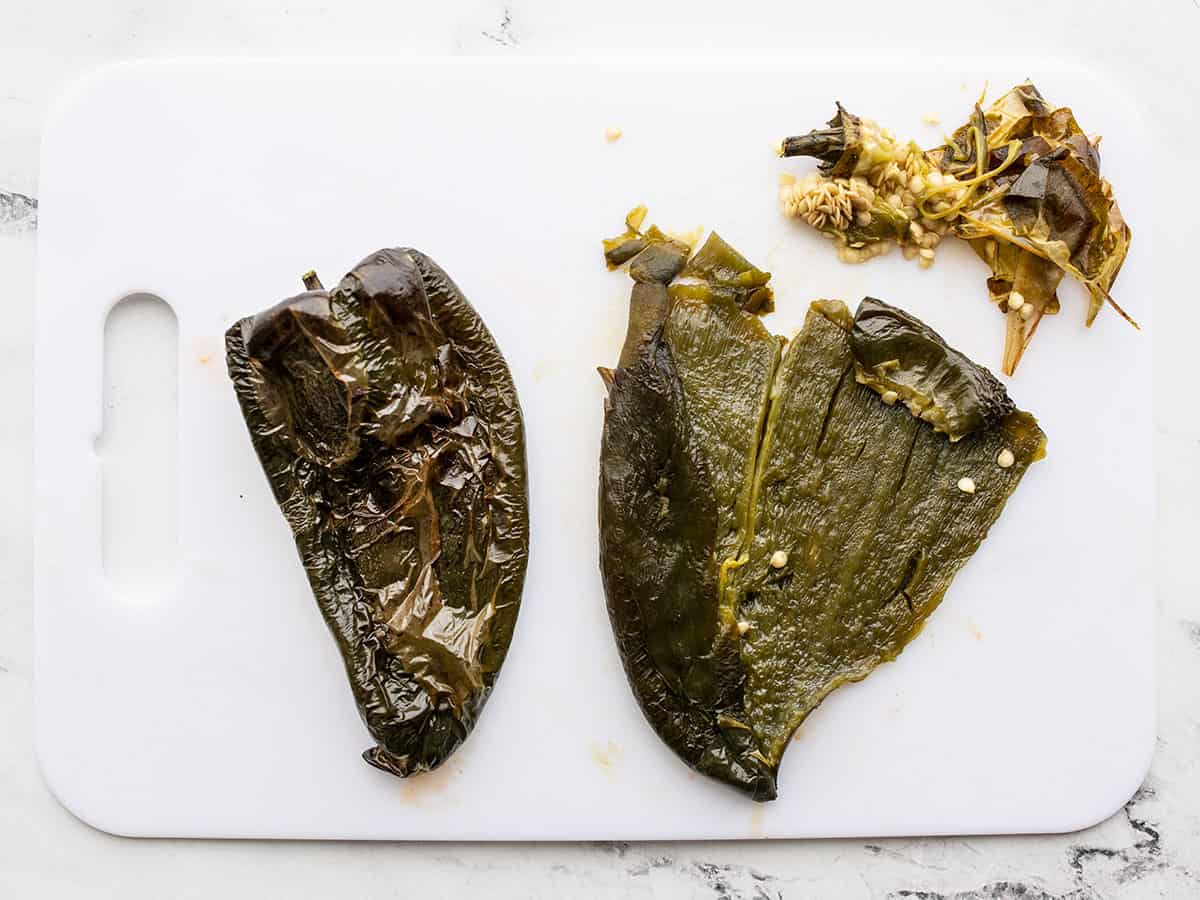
(218, 706)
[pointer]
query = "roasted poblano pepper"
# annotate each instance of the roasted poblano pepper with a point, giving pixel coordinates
(1020, 181)
(387, 423)
(777, 519)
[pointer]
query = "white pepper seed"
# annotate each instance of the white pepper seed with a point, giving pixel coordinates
(966, 485)
(1005, 458)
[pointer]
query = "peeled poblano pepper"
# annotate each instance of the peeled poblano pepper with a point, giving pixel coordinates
(388, 425)
(777, 519)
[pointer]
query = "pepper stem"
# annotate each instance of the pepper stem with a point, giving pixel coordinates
(311, 281)
(827, 145)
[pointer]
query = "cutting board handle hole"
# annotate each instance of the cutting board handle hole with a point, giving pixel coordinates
(138, 446)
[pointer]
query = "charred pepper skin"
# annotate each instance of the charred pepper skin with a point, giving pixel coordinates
(388, 425)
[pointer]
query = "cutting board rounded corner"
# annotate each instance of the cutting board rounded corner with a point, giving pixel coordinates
(97, 82)
(89, 811)
(1114, 790)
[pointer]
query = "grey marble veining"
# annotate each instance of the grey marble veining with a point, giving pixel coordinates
(17, 212)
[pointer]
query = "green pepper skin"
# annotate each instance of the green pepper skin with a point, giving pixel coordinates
(388, 426)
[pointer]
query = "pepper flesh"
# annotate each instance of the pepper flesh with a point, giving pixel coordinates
(388, 426)
(896, 352)
(863, 499)
(771, 528)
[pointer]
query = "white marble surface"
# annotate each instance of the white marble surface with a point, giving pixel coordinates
(1151, 849)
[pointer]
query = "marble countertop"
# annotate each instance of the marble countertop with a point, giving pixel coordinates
(1149, 849)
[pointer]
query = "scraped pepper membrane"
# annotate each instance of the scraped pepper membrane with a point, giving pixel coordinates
(778, 518)
(1020, 182)
(388, 426)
